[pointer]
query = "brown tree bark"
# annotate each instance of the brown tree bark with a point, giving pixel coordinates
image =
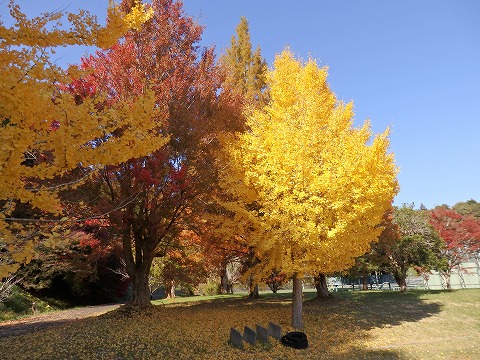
(297, 305)
(401, 279)
(141, 290)
(253, 291)
(446, 275)
(364, 280)
(224, 283)
(170, 289)
(138, 267)
(321, 286)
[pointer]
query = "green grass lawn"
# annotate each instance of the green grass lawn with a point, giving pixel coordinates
(353, 325)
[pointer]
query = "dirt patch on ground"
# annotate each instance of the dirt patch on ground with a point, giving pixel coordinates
(44, 321)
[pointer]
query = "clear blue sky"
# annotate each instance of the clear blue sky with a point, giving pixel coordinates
(412, 65)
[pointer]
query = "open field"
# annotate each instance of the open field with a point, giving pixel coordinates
(354, 325)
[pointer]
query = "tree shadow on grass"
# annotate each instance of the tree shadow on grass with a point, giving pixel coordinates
(332, 327)
(28, 328)
(345, 321)
(338, 327)
(378, 309)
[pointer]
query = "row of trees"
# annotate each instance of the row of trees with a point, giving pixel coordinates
(153, 151)
(88, 269)
(440, 239)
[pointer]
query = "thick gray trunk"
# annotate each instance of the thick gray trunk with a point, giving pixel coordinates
(364, 280)
(297, 321)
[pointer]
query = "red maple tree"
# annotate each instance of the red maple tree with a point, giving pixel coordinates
(461, 235)
(149, 200)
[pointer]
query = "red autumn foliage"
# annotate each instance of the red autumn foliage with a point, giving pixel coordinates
(461, 235)
(149, 201)
(275, 281)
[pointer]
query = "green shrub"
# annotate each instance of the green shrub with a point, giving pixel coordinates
(19, 304)
(19, 301)
(210, 288)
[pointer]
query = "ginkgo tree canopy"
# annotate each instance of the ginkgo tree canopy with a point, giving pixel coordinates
(52, 122)
(321, 185)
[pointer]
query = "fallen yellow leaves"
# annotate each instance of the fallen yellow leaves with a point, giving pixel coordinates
(352, 326)
(179, 332)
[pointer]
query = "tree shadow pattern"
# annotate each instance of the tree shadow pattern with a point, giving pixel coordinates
(337, 328)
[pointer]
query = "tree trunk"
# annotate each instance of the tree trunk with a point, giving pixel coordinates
(138, 267)
(297, 321)
(401, 278)
(141, 290)
(170, 289)
(446, 275)
(253, 294)
(252, 284)
(321, 286)
(364, 280)
(274, 287)
(224, 283)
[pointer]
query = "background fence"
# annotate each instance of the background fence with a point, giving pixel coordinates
(466, 276)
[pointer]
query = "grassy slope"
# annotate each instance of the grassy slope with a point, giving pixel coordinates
(19, 305)
(355, 325)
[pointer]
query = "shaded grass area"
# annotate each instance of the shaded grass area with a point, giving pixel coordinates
(353, 325)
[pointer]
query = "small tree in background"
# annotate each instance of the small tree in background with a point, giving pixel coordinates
(470, 207)
(461, 235)
(409, 241)
(244, 71)
(375, 258)
(275, 281)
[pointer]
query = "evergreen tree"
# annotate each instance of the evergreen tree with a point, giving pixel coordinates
(244, 71)
(245, 80)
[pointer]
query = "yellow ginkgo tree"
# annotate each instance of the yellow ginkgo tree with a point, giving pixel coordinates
(315, 185)
(52, 123)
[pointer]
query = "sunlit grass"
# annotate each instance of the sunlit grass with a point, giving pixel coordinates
(354, 325)
(195, 299)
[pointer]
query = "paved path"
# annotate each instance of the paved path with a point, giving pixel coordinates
(44, 321)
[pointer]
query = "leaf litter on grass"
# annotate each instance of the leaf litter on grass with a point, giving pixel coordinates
(348, 327)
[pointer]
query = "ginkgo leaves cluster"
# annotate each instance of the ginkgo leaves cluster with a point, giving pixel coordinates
(48, 128)
(322, 185)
